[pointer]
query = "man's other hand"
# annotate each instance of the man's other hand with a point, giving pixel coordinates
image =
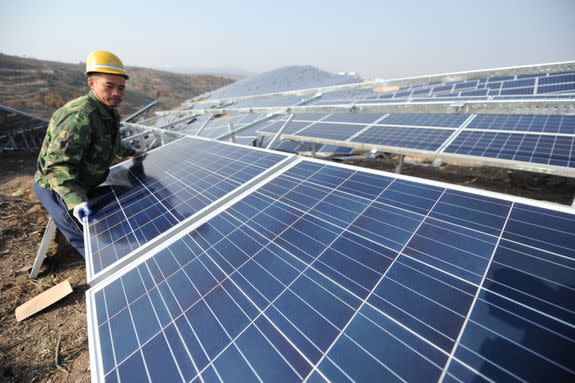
(82, 210)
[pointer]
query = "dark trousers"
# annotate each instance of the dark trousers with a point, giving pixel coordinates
(64, 220)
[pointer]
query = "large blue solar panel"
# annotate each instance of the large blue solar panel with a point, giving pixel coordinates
(329, 273)
(524, 123)
(558, 79)
(534, 148)
(558, 88)
(411, 138)
(171, 184)
(290, 128)
(332, 131)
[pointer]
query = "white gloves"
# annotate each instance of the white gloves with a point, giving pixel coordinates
(82, 210)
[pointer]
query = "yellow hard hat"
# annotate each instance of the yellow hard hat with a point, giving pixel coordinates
(105, 62)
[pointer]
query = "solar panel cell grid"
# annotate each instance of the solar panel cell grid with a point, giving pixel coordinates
(332, 131)
(465, 85)
(170, 185)
(434, 120)
(568, 88)
(290, 128)
(480, 92)
(513, 91)
(333, 274)
(535, 148)
(524, 123)
(414, 138)
(556, 79)
(519, 83)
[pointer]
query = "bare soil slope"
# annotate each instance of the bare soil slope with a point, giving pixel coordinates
(39, 87)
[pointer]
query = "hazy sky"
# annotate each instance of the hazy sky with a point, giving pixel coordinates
(374, 38)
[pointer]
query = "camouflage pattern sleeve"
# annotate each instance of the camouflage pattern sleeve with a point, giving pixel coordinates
(70, 138)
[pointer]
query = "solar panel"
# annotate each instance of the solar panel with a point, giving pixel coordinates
(146, 198)
(292, 127)
(413, 138)
(334, 131)
(331, 273)
(433, 120)
(524, 123)
(530, 148)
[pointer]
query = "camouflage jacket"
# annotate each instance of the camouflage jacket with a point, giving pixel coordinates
(80, 143)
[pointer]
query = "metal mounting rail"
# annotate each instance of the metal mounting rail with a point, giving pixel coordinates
(161, 130)
(140, 111)
(564, 107)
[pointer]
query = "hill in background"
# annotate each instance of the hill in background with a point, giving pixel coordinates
(39, 87)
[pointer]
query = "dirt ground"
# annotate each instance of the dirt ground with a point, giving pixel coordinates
(28, 348)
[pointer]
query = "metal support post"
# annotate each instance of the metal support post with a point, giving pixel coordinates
(11, 140)
(47, 238)
(210, 118)
(232, 133)
(279, 132)
(399, 165)
(313, 149)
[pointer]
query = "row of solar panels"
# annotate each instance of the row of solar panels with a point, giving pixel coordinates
(527, 81)
(213, 261)
(375, 94)
(542, 143)
(535, 142)
(534, 85)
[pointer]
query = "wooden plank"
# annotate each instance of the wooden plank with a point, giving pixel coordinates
(43, 300)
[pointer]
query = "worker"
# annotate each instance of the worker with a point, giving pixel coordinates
(81, 141)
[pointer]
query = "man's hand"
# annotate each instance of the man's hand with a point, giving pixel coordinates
(82, 210)
(137, 153)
